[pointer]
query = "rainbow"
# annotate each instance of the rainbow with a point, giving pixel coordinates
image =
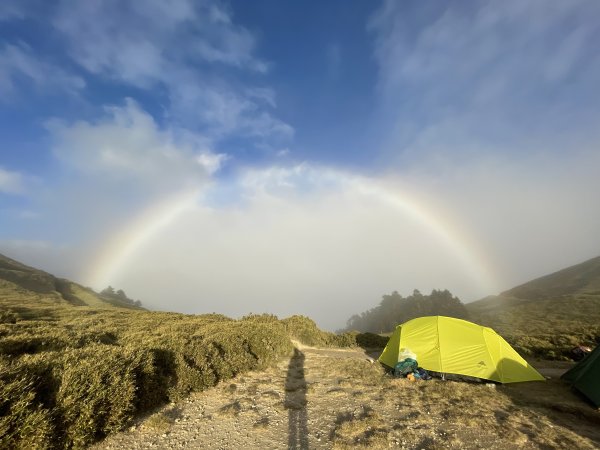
(119, 251)
(459, 244)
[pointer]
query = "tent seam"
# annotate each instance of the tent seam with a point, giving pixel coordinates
(437, 323)
(487, 349)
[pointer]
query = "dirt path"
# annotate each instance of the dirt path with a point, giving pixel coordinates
(323, 398)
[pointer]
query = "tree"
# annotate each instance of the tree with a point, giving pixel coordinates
(394, 309)
(119, 295)
(109, 291)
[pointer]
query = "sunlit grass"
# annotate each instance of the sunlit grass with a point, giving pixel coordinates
(72, 374)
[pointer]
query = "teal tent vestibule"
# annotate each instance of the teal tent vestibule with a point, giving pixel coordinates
(585, 376)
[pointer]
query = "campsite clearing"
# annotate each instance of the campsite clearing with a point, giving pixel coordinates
(326, 398)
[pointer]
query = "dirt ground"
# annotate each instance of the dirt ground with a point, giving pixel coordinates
(323, 398)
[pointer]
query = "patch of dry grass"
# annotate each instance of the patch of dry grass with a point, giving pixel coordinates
(159, 422)
(446, 414)
(362, 428)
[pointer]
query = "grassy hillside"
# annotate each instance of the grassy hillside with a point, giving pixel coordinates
(548, 316)
(19, 282)
(582, 278)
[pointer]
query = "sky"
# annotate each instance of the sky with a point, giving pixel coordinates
(299, 157)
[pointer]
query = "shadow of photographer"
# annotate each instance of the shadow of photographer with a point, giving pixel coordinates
(295, 402)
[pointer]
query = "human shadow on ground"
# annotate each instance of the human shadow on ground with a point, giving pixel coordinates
(295, 402)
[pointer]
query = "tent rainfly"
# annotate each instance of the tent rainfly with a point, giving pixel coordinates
(585, 376)
(449, 345)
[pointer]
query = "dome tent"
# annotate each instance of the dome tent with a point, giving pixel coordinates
(449, 345)
(585, 376)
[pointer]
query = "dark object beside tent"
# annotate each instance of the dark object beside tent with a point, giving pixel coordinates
(580, 352)
(585, 376)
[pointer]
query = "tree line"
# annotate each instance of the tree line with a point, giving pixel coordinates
(395, 309)
(120, 295)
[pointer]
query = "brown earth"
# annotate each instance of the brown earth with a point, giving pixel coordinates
(323, 398)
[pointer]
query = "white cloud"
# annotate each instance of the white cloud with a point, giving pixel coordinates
(144, 42)
(183, 47)
(473, 42)
(11, 182)
(192, 53)
(502, 75)
(224, 112)
(20, 62)
(266, 95)
(129, 146)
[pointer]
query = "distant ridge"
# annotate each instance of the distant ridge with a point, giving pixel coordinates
(580, 278)
(549, 315)
(19, 282)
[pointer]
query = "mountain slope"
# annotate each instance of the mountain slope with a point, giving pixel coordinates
(580, 278)
(547, 316)
(21, 284)
(572, 293)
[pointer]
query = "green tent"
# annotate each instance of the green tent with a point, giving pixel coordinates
(585, 376)
(448, 345)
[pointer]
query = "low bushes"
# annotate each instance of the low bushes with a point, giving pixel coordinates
(557, 346)
(25, 419)
(370, 340)
(66, 382)
(306, 331)
(69, 376)
(8, 317)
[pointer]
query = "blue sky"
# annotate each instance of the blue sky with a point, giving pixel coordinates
(483, 113)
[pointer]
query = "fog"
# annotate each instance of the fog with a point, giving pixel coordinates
(328, 244)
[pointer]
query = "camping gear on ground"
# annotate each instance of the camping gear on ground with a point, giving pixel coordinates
(449, 345)
(405, 367)
(585, 376)
(422, 374)
(580, 352)
(408, 367)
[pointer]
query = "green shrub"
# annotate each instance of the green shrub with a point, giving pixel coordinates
(306, 331)
(370, 340)
(70, 376)
(8, 317)
(25, 422)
